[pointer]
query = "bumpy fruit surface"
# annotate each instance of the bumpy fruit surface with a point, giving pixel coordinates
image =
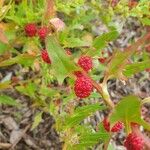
(30, 29)
(85, 62)
(83, 87)
(116, 128)
(42, 32)
(45, 57)
(134, 142)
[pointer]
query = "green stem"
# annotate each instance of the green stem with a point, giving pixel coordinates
(102, 90)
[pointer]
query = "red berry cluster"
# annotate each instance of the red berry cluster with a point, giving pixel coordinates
(32, 30)
(45, 57)
(85, 62)
(133, 142)
(116, 128)
(83, 86)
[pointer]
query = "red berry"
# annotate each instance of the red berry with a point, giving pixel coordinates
(83, 87)
(134, 142)
(45, 57)
(102, 60)
(42, 32)
(30, 29)
(116, 128)
(85, 62)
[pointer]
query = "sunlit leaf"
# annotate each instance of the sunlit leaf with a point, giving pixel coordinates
(81, 113)
(128, 110)
(131, 69)
(24, 59)
(37, 120)
(6, 100)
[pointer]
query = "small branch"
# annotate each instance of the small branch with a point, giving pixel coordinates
(102, 90)
(50, 10)
(133, 48)
(20, 137)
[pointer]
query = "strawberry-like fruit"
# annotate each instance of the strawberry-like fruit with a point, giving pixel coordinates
(42, 32)
(83, 87)
(45, 57)
(30, 29)
(85, 62)
(133, 142)
(116, 128)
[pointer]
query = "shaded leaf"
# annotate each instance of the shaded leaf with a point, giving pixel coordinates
(62, 66)
(102, 40)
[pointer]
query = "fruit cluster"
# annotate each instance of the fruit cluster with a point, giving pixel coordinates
(32, 30)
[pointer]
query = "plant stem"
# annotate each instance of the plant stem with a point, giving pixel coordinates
(102, 90)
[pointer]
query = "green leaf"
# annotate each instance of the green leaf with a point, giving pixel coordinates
(136, 67)
(145, 21)
(81, 113)
(6, 100)
(128, 110)
(117, 63)
(120, 59)
(75, 42)
(102, 40)
(23, 59)
(62, 66)
(3, 48)
(29, 89)
(90, 139)
(37, 120)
